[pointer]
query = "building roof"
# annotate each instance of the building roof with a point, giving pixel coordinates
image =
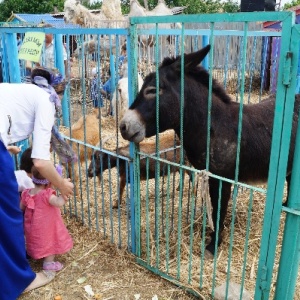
(35, 19)
(277, 24)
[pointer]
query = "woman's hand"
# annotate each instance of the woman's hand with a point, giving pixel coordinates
(47, 169)
(66, 188)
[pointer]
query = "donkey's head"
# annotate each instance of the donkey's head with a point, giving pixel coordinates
(160, 97)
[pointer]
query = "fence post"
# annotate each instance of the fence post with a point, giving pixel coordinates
(13, 73)
(281, 136)
(112, 78)
(132, 51)
(205, 60)
(290, 253)
(298, 75)
(60, 65)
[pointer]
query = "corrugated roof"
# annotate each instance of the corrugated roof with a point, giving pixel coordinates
(40, 18)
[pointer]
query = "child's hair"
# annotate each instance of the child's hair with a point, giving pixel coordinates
(26, 162)
(37, 177)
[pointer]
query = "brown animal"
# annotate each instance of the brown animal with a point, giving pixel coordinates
(142, 120)
(101, 161)
(89, 134)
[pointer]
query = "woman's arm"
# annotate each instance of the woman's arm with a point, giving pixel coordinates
(47, 169)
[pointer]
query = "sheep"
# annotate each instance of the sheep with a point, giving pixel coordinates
(101, 161)
(120, 101)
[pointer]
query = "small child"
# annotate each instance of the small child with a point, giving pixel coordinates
(45, 232)
(26, 162)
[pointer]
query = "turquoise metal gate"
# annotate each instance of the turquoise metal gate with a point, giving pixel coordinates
(172, 224)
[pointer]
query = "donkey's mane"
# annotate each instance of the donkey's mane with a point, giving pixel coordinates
(202, 76)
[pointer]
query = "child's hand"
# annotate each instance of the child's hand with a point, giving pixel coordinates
(13, 149)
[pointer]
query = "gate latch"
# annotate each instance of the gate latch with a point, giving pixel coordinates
(287, 69)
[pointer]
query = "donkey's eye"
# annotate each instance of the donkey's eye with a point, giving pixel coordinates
(150, 92)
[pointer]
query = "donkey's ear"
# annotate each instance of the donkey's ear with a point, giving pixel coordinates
(193, 59)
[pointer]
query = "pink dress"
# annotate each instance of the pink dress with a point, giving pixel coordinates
(45, 231)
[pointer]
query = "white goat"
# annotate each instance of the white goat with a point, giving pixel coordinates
(120, 97)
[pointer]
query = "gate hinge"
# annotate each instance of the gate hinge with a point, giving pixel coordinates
(287, 68)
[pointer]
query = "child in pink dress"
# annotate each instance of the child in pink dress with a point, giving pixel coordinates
(45, 232)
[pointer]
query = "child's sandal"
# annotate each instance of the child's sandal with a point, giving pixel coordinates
(52, 266)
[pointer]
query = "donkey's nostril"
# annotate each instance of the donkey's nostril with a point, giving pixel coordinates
(123, 127)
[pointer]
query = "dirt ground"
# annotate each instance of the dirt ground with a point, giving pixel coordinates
(112, 273)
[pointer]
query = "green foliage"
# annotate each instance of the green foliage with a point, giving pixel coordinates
(197, 7)
(96, 5)
(293, 3)
(208, 6)
(28, 6)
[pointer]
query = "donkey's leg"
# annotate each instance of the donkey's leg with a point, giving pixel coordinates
(121, 190)
(214, 186)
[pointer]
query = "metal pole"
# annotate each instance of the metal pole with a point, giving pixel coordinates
(60, 65)
(14, 73)
(290, 252)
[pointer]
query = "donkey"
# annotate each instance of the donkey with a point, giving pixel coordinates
(257, 124)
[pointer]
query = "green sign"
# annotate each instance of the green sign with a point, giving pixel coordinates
(31, 48)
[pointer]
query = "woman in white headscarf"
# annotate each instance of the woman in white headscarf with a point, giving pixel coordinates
(25, 109)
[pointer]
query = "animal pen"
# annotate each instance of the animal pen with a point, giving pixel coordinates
(165, 219)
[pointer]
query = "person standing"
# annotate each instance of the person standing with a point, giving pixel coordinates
(48, 57)
(25, 109)
(45, 232)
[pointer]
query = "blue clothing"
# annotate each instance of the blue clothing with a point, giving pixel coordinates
(97, 86)
(15, 272)
(95, 93)
(107, 87)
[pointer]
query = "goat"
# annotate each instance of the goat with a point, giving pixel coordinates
(120, 97)
(101, 161)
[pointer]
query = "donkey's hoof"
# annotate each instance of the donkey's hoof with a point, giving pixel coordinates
(210, 250)
(208, 255)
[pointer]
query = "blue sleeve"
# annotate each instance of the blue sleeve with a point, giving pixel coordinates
(107, 86)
